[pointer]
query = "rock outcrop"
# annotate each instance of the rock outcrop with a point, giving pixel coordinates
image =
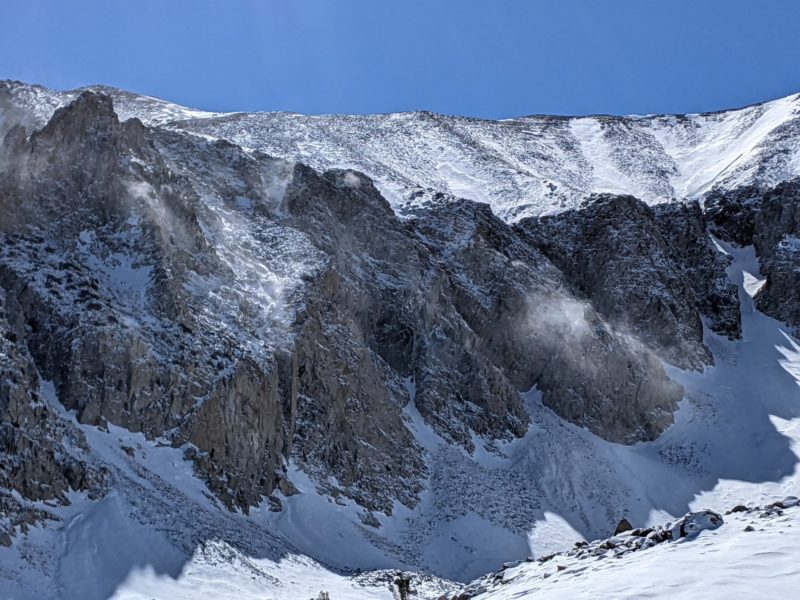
(621, 544)
(42, 455)
(649, 271)
(769, 219)
(533, 326)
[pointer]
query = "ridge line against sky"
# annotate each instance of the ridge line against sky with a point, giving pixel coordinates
(101, 87)
(489, 60)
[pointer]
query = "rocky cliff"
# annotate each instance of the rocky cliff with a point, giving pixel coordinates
(258, 310)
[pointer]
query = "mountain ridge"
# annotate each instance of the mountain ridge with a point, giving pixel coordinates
(112, 90)
(523, 166)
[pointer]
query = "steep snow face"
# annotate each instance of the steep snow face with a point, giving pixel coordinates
(521, 167)
(729, 149)
(534, 165)
(40, 103)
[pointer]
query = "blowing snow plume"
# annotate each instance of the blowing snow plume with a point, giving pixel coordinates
(597, 377)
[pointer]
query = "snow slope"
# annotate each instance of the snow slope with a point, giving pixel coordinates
(521, 167)
(160, 534)
(729, 562)
(539, 164)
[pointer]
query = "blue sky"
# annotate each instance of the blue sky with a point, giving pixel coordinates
(494, 59)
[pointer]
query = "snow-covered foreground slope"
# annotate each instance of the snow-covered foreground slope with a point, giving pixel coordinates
(750, 556)
(160, 534)
(521, 167)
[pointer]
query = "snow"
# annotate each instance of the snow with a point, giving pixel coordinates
(755, 444)
(123, 546)
(721, 144)
(521, 167)
(457, 174)
(728, 562)
(219, 571)
(423, 433)
(789, 243)
(92, 539)
(552, 533)
(352, 180)
(322, 527)
(534, 165)
(605, 177)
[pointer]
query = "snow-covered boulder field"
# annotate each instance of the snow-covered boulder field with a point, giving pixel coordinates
(748, 555)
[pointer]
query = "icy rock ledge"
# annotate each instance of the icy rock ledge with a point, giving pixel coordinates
(688, 526)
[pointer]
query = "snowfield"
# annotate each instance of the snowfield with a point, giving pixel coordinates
(524, 166)
(748, 557)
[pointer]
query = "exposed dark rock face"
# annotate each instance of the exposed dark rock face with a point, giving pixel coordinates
(684, 227)
(41, 454)
(532, 327)
(623, 525)
(95, 209)
(649, 271)
(769, 219)
(258, 311)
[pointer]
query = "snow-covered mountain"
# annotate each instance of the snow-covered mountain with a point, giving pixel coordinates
(282, 355)
(520, 167)
(538, 164)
